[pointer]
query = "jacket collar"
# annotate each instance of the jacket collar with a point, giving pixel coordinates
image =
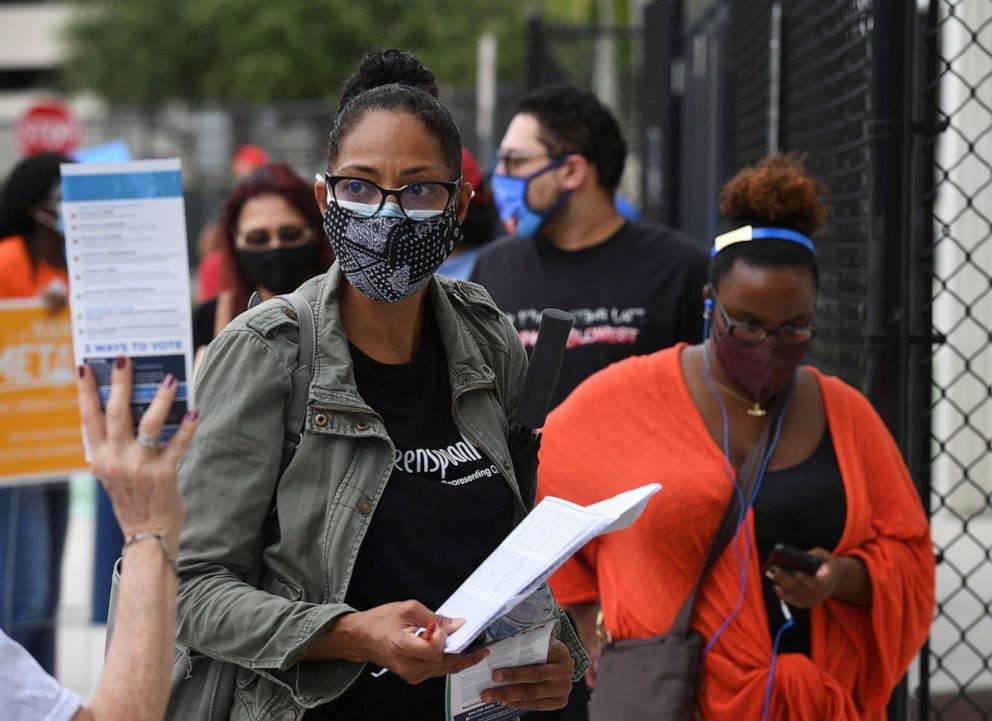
(334, 377)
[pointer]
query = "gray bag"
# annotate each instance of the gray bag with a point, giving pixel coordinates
(655, 678)
(202, 688)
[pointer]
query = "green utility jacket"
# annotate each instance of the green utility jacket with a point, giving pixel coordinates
(327, 495)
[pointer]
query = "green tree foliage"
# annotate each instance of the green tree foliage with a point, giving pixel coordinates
(144, 52)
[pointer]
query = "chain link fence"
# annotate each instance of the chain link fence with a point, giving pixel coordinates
(959, 82)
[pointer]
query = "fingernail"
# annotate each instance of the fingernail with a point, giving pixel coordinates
(168, 380)
(192, 415)
(120, 362)
(770, 573)
(82, 371)
(487, 697)
(497, 677)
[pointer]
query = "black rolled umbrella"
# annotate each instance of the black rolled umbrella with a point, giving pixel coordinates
(535, 399)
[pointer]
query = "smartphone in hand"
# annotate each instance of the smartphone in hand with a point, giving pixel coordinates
(791, 559)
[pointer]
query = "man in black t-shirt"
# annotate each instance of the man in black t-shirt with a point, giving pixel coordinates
(633, 288)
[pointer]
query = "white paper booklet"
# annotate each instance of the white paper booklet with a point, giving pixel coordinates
(535, 549)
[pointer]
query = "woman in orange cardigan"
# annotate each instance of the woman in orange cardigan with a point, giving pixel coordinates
(835, 486)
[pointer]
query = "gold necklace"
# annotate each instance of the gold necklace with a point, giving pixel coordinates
(755, 411)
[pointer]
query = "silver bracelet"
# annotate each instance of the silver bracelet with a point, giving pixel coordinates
(170, 559)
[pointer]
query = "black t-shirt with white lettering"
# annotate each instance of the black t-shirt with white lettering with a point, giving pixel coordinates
(637, 292)
(445, 509)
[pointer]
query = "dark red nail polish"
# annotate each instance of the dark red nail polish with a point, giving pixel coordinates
(193, 415)
(82, 371)
(120, 362)
(168, 380)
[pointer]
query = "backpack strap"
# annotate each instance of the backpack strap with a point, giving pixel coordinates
(306, 358)
(298, 308)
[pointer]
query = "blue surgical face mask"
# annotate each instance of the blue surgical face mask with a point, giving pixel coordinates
(510, 194)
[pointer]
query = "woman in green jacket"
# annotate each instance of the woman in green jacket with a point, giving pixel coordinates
(402, 483)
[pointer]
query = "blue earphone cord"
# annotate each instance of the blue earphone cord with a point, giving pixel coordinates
(789, 623)
(741, 518)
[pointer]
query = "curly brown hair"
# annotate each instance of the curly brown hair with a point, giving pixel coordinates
(777, 191)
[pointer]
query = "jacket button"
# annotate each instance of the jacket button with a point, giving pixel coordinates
(291, 314)
(320, 419)
(290, 715)
(361, 426)
(365, 505)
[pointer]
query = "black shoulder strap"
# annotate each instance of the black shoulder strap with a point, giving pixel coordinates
(306, 358)
(299, 309)
(747, 479)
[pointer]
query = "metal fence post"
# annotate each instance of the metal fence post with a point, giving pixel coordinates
(889, 208)
(919, 295)
(888, 264)
(660, 88)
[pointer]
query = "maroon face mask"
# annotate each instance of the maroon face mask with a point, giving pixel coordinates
(762, 368)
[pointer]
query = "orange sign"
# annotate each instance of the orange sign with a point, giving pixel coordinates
(40, 437)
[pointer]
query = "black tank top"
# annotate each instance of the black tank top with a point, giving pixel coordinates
(803, 506)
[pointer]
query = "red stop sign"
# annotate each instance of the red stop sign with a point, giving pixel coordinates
(47, 127)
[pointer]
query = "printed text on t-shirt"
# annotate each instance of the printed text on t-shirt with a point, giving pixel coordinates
(435, 462)
(610, 326)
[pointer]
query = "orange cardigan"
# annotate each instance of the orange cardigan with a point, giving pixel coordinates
(635, 423)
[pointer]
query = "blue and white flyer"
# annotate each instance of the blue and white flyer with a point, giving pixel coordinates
(129, 288)
(464, 689)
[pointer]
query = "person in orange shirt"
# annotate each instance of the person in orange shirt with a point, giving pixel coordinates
(33, 519)
(32, 246)
(831, 644)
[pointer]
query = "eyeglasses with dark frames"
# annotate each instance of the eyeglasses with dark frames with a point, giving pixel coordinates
(749, 331)
(512, 160)
(363, 198)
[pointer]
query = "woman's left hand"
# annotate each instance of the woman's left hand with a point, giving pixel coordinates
(541, 687)
(803, 590)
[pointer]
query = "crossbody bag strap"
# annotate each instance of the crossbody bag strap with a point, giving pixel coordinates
(306, 357)
(747, 479)
(296, 413)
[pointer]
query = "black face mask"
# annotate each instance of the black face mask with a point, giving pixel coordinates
(280, 270)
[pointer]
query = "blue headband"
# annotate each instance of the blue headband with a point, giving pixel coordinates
(747, 232)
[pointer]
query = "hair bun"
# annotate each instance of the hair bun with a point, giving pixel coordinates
(387, 67)
(776, 191)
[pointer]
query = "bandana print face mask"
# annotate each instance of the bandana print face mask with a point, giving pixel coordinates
(388, 257)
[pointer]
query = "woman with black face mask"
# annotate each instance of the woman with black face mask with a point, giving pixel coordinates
(825, 643)
(401, 483)
(273, 240)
